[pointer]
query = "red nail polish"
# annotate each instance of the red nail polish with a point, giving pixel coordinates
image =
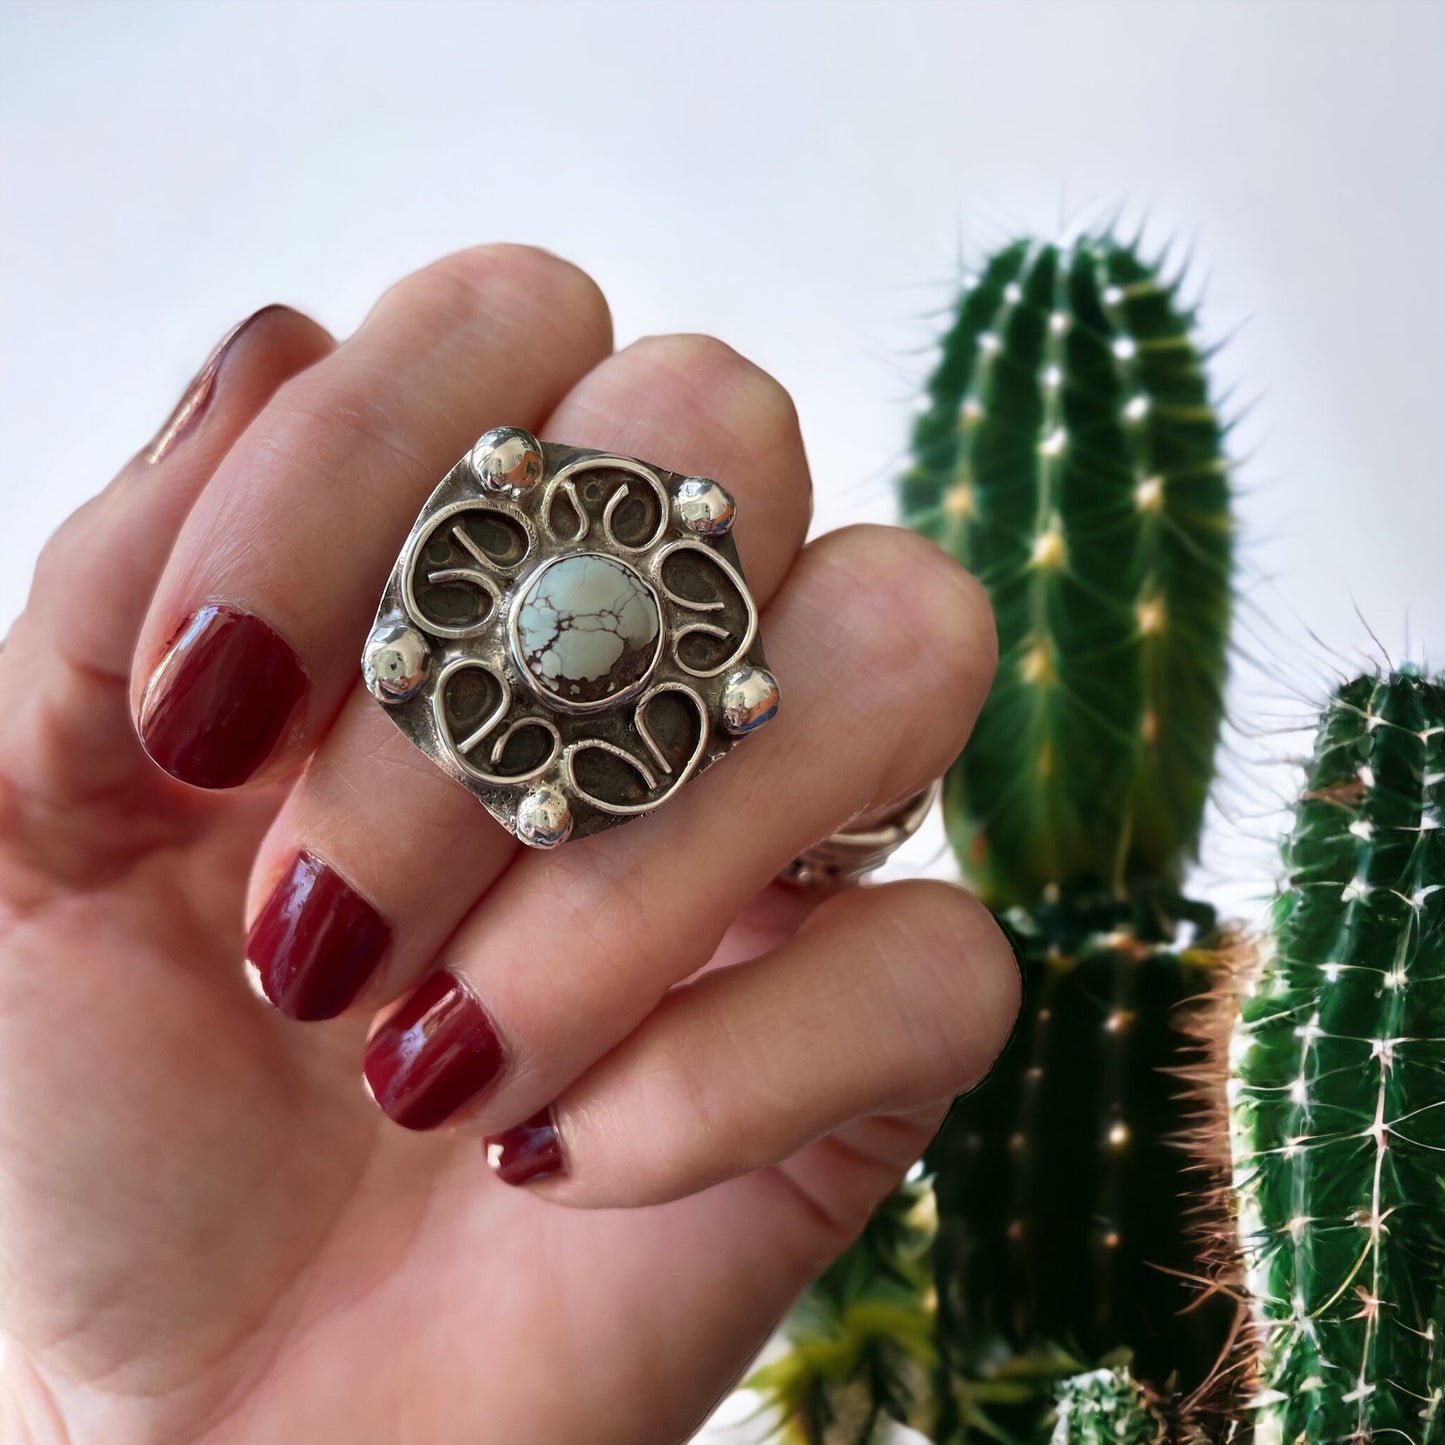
(197, 399)
(436, 1052)
(220, 698)
(528, 1152)
(316, 941)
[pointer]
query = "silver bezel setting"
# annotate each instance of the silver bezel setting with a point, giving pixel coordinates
(556, 700)
(549, 768)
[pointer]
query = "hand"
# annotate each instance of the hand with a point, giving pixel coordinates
(208, 1231)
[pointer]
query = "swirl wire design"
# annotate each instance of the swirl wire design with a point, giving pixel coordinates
(564, 483)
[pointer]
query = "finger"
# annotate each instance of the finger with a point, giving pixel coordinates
(889, 1000)
(95, 577)
(378, 855)
(885, 648)
(251, 643)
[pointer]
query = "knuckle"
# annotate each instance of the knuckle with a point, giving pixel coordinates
(737, 393)
(960, 974)
(63, 551)
(535, 287)
(695, 1111)
(974, 980)
(927, 622)
(360, 429)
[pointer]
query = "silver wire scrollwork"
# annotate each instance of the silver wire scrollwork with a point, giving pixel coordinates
(461, 751)
(639, 722)
(750, 630)
(565, 484)
(480, 570)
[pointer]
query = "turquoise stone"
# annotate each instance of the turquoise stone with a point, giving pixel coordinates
(587, 630)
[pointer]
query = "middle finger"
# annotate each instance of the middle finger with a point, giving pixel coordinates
(378, 854)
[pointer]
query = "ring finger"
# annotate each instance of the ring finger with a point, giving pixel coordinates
(904, 994)
(886, 648)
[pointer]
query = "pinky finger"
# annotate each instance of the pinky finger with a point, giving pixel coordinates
(889, 1000)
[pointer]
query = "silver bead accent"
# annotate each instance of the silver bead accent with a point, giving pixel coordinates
(507, 459)
(749, 699)
(395, 663)
(704, 507)
(544, 818)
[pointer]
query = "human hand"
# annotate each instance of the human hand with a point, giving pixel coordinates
(208, 1231)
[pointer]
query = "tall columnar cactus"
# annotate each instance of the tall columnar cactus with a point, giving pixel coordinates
(1070, 456)
(1072, 1230)
(1339, 1097)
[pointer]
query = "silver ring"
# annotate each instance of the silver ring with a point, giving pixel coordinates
(568, 634)
(864, 846)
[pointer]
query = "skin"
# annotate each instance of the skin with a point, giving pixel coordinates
(208, 1232)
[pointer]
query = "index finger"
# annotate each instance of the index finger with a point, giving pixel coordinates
(251, 640)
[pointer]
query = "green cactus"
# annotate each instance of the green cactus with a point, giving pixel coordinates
(1069, 455)
(1072, 1230)
(861, 1340)
(1337, 1118)
(1106, 1407)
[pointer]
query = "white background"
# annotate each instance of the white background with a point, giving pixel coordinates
(807, 180)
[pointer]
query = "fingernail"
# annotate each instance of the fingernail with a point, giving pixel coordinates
(316, 941)
(197, 399)
(434, 1054)
(220, 698)
(528, 1152)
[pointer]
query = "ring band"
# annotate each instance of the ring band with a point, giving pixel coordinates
(848, 855)
(568, 634)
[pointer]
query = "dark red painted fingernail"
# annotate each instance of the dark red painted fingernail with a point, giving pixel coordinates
(316, 941)
(220, 698)
(197, 399)
(434, 1054)
(527, 1152)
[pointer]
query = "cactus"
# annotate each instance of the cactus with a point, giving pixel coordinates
(1072, 1230)
(1337, 1116)
(861, 1340)
(1106, 1407)
(1069, 455)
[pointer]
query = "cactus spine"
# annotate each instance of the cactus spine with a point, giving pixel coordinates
(1337, 1120)
(1070, 457)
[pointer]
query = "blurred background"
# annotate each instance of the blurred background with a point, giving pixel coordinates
(809, 181)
